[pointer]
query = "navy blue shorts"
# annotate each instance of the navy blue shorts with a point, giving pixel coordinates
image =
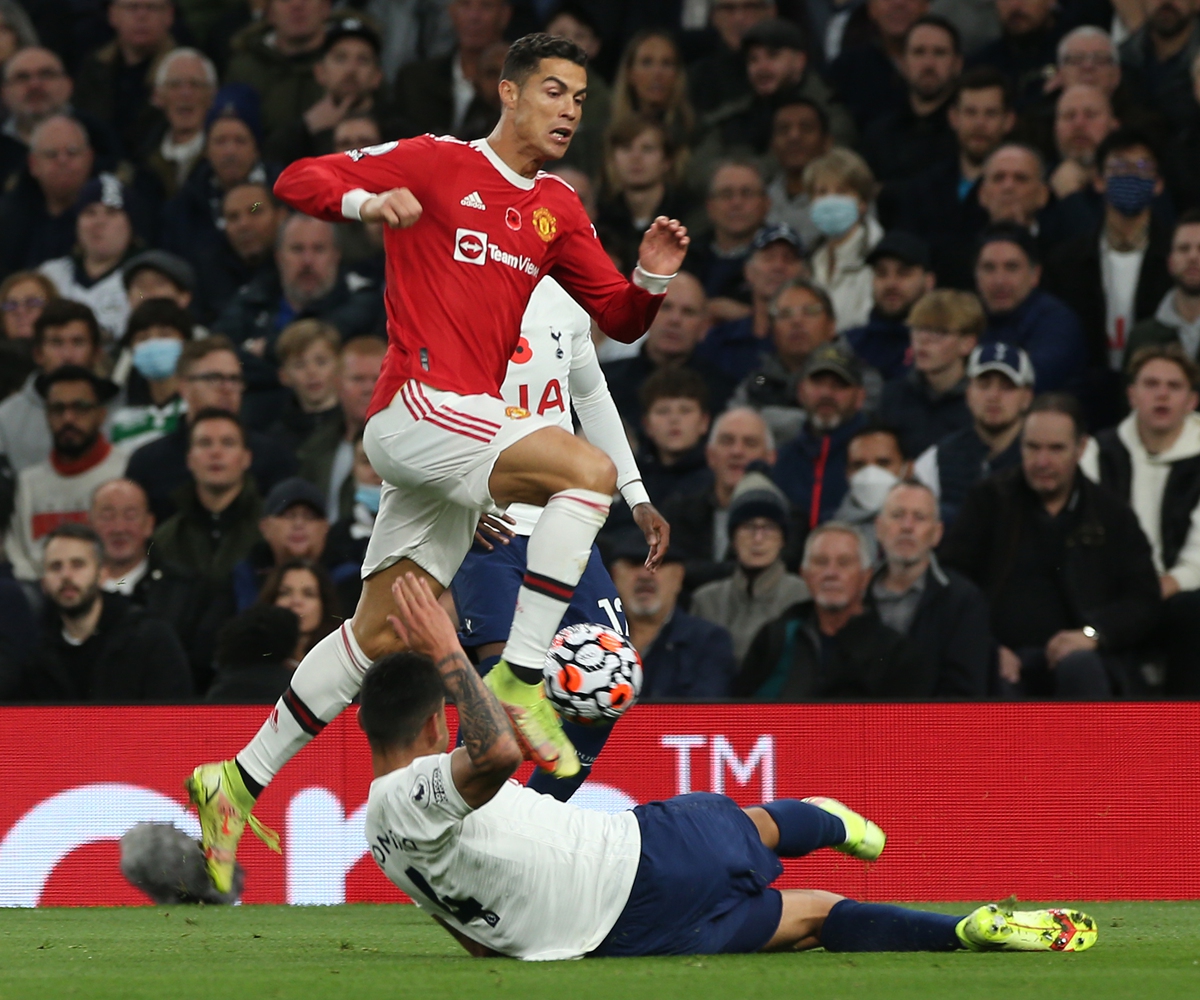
(485, 593)
(702, 885)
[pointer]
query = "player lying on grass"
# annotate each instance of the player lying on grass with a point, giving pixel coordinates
(510, 872)
(469, 230)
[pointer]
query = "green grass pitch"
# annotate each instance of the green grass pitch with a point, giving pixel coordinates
(1148, 951)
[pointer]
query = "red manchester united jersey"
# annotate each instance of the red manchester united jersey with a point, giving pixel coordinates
(458, 281)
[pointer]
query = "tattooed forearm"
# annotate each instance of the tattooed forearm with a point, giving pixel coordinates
(482, 721)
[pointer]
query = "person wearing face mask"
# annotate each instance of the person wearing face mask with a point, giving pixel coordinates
(1116, 276)
(875, 463)
(811, 468)
(155, 336)
(841, 188)
(941, 613)
(760, 589)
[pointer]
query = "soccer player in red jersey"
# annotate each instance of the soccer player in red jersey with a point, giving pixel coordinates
(469, 230)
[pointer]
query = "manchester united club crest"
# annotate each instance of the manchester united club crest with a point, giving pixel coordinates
(516, 413)
(545, 224)
(512, 219)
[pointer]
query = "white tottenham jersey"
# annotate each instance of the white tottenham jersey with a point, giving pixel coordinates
(556, 336)
(525, 875)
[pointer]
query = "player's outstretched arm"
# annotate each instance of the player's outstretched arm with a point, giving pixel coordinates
(490, 753)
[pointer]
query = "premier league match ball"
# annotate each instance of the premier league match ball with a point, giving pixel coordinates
(592, 674)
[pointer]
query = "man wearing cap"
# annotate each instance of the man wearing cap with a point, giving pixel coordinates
(92, 273)
(276, 54)
(940, 611)
(776, 64)
(156, 274)
(761, 588)
(60, 488)
(998, 395)
(349, 76)
(1007, 272)
(293, 526)
(811, 468)
(114, 82)
(438, 94)
(66, 333)
(736, 346)
(683, 657)
(192, 220)
(915, 136)
(900, 276)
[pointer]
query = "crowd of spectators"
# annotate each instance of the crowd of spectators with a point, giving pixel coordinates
(920, 407)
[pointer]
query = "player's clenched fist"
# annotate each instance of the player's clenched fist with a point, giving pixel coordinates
(398, 208)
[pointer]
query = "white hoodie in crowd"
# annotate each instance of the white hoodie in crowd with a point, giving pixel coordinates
(1150, 474)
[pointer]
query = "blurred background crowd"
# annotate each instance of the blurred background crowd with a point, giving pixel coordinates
(919, 409)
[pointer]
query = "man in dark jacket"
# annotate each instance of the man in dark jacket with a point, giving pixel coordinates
(1116, 275)
(682, 657)
(217, 522)
(900, 275)
(1068, 572)
(246, 251)
(1177, 317)
(811, 468)
(942, 613)
(97, 646)
(929, 400)
(210, 376)
(1026, 48)
(999, 391)
(831, 648)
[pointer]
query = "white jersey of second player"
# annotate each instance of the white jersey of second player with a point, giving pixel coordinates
(555, 361)
(524, 874)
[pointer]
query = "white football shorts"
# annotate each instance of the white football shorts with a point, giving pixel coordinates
(435, 451)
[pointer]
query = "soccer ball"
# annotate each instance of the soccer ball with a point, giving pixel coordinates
(592, 674)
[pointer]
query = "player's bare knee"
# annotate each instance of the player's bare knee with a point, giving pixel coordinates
(598, 474)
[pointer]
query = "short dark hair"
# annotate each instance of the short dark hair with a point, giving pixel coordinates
(985, 78)
(79, 533)
(526, 54)
(399, 693)
(1008, 232)
(215, 413)
(937, 21)
(789, 97)
(879, 427)
(1060, 402)
(673, 383)
(159, 312)
(194, 350)
(60, 312)
(1122, 138)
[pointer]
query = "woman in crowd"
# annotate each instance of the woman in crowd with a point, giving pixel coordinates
(305, 589)
(651, 81)
(841, 189)
(23, 296)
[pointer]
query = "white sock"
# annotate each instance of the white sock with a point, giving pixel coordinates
(326, 681)
(558, 553)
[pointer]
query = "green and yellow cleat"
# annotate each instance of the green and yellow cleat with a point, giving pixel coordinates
(224, 805)
(864, 839)
(539, 729)
(997, 927)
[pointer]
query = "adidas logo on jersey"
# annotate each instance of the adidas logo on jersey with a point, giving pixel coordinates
(474, 201)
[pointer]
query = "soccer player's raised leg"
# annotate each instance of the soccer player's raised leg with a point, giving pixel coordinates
(575, 482)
